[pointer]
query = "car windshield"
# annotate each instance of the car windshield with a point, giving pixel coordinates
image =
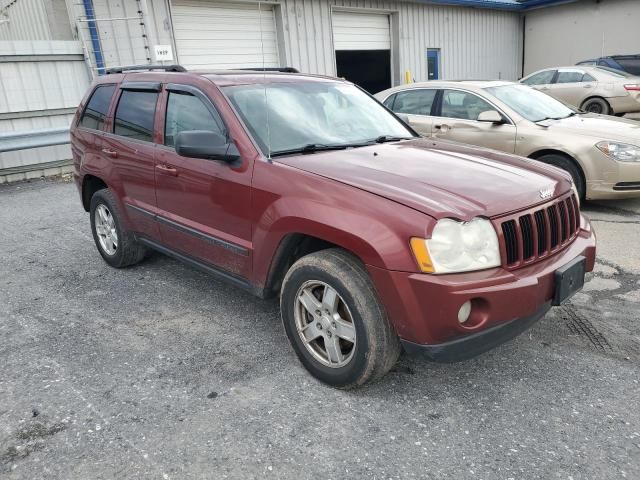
(531, 104)
(312, 115)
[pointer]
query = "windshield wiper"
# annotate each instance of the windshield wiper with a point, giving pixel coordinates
(390, 138)
(310, 148)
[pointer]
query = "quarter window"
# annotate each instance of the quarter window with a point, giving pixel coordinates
(135, 114)
(94, 115)
(415, 102)
(463, 105)
(540, 78)
(187, 112)
(389, 102)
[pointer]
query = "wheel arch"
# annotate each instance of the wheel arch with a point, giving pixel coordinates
(552, 151)
(90, 185)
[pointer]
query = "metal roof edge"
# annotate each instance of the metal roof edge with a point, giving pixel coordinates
(513, 6)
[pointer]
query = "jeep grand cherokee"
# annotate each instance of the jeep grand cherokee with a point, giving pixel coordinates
(306, 187)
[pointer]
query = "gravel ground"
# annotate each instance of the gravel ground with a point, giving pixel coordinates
(159, 371)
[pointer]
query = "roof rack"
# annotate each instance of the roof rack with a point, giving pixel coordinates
(166, 68)
(272, 69)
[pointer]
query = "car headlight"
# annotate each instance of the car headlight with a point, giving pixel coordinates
(622, 152)
(458, 247)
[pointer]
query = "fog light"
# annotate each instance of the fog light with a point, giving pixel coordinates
(464, 312)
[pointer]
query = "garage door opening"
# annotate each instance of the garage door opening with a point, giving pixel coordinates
(371, 69)
(362, 44)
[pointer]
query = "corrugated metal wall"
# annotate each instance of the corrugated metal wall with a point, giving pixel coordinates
(25, 20)
(474, 43)
(38, 93)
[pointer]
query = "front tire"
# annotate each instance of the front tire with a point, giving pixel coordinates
(569, 166)
(116, 245)
(335, 322)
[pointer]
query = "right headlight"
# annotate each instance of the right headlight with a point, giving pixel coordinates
(622, 152)
(458, 247)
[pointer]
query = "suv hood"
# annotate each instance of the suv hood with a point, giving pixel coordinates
(601, 127)
(441, 179)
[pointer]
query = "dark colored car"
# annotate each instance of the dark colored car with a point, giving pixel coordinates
(306, 187)
(626, 63)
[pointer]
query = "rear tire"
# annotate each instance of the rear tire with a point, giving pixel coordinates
(568, 165)
(370, 347)
(117, 246)
(596, 105)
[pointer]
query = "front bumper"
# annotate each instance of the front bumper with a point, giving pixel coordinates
(470, 346)
(424, 308)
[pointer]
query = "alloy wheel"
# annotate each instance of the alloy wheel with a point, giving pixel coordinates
(325, 324)
(106, 229)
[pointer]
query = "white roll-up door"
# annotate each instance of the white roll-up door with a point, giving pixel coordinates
(224, 35)
(361, 31)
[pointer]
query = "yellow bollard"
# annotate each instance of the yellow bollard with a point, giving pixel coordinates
(407, 77)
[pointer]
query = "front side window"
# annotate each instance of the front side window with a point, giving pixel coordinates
(186, 112)
(529, 103)
(288, 116)
(135, 114)
(540, 78)
(415, 102)
(463, 105)
(569, 76)
(94, 115)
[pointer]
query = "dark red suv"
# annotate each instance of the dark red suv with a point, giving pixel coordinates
(306, 187)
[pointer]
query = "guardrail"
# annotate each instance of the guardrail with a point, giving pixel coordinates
(24, 140)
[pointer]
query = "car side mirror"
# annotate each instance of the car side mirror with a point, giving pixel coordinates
(206, 145)
(490, 116)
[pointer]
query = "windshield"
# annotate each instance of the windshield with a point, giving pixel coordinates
(531, 104)
(289, 116)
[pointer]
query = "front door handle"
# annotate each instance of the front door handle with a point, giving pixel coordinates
(443, 127)
(587, 86)
(167, 170)
(111, 153)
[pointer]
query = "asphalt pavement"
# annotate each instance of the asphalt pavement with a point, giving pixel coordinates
(159, 371)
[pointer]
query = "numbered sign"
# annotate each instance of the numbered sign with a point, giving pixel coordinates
(163, 52)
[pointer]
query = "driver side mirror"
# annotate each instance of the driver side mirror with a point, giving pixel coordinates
(207, 145)
(491, 116)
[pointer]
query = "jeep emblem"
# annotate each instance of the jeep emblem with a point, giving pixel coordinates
(546, 193)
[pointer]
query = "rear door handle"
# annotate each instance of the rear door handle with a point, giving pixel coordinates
(167, 170)
(587, 86)
(443, 127)
(111, 153)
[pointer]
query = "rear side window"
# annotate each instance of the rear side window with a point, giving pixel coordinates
(415, 102)
(569, 77)
(186, 112)
(540, 78)
(96, 111)
(135, 114)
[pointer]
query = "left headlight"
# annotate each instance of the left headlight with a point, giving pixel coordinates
(622, 152)
(458, 247)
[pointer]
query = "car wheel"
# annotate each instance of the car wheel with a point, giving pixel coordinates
(596, 105)
(335, 321)
(567, 165)
(117, 246)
